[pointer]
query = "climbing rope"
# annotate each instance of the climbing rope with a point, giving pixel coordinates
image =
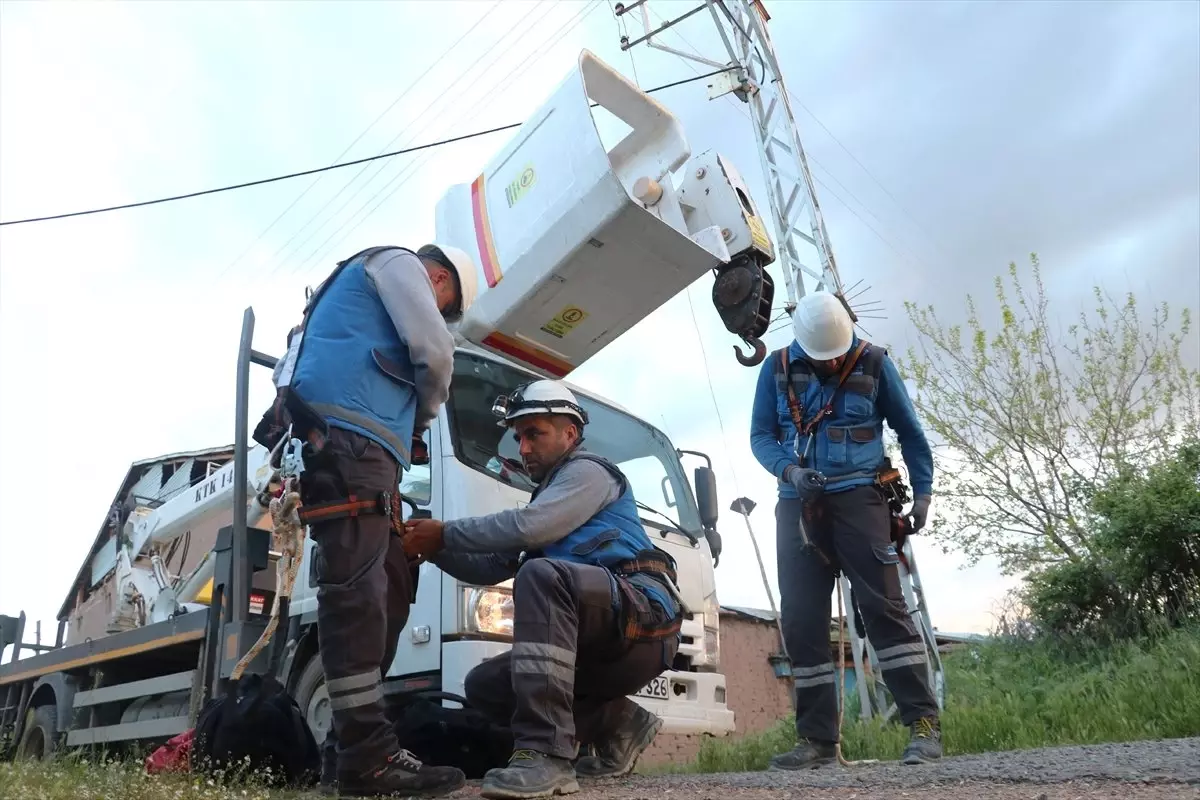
(842, 681)
(287, 538)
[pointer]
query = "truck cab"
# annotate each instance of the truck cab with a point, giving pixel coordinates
(454, 626)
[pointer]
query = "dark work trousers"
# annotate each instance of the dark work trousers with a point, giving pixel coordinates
(852, 529)
(567, 678)
(364, 591)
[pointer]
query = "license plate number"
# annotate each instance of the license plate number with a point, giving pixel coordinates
(655, 689)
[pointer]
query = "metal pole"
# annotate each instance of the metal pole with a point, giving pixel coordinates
(743, 507)
(239, 601)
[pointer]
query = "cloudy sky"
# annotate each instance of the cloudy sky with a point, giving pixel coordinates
(947, 139)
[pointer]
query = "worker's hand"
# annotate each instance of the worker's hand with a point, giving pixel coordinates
(808, 483)
(422, 537)
(920, 511)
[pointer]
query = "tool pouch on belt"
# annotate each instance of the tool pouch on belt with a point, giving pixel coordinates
(895, 492)
(643, 621)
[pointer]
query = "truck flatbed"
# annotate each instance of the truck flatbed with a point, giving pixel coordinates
(179, 630)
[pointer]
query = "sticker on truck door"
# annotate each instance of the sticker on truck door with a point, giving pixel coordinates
(656, 689)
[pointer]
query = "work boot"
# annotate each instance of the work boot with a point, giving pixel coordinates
(401, 775)
(530, 774)
(618, 753)
(808, 754)
(925, 742)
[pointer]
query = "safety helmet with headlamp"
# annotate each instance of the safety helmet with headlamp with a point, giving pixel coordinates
(538, 397)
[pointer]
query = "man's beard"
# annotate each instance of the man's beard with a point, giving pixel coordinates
(535, 471)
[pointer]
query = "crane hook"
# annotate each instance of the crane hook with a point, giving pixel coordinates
(760, 352)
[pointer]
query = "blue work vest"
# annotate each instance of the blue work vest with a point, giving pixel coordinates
(847, 445)
(612, 537)
(352, 367)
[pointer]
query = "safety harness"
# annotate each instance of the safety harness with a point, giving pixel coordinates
(808, 428)
(887, 478)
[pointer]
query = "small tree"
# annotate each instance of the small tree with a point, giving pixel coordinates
(1144, 568)
(1028, 423)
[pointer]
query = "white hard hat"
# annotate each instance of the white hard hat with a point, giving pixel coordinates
(463, 267)
(822, 326)
(539, 397)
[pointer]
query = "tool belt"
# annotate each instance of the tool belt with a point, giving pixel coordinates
(642, 622)
(385, 504)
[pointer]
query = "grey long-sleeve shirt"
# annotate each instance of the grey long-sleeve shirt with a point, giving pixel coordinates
(404, 288)
(484, 550)
(579, 490)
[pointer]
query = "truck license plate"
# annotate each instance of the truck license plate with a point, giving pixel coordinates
(655, 689)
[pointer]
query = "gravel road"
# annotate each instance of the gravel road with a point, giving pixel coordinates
(1131, 771)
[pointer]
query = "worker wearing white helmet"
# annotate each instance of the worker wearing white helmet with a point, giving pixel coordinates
(596, 613)
(366, 373)
(817, 426)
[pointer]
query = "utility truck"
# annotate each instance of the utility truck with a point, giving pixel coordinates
(575, 243)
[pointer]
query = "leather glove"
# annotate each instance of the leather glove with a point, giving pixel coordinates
(920, 511)
(808, 483)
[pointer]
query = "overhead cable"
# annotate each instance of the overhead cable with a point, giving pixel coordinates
(340, 165)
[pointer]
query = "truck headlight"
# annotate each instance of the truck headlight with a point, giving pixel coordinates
(712, 632)
(487, 610)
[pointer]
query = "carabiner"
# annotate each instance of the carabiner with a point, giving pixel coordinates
(292, 463)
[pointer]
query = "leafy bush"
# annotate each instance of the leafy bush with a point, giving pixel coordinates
(1144, 566)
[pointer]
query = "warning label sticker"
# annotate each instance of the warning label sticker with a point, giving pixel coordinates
(565, 321)
(758, 234)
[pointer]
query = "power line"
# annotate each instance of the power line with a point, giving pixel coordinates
(341, 165)
(312, 227)
(473, 109)
(365, 131)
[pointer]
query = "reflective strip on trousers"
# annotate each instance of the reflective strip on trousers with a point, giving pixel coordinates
(355, 690)
(806, 677)
(901, 655)
(539, 658)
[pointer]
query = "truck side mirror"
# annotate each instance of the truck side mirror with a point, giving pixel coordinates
(706, 496)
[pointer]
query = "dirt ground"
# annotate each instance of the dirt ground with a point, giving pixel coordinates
(700, 789)
(1160, 770)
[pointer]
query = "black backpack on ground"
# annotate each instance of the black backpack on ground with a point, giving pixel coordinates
(255, 728)
(450, 737)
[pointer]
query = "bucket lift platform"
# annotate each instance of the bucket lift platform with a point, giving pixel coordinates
(576, 243)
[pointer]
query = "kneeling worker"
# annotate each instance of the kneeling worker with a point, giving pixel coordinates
(595, 612)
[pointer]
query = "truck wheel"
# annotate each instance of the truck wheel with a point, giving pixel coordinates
(313, 698)
(39, 740)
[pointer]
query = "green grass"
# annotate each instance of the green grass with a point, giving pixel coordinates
(1010, 696)
(1002, 696)
(73, 777)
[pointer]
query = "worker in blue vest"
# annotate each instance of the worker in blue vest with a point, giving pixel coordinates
(366, 372)
(817, 426)
(595, 606)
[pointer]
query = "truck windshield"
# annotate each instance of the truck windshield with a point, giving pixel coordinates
(642, 452)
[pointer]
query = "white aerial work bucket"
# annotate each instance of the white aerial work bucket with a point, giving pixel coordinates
(576, 244)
